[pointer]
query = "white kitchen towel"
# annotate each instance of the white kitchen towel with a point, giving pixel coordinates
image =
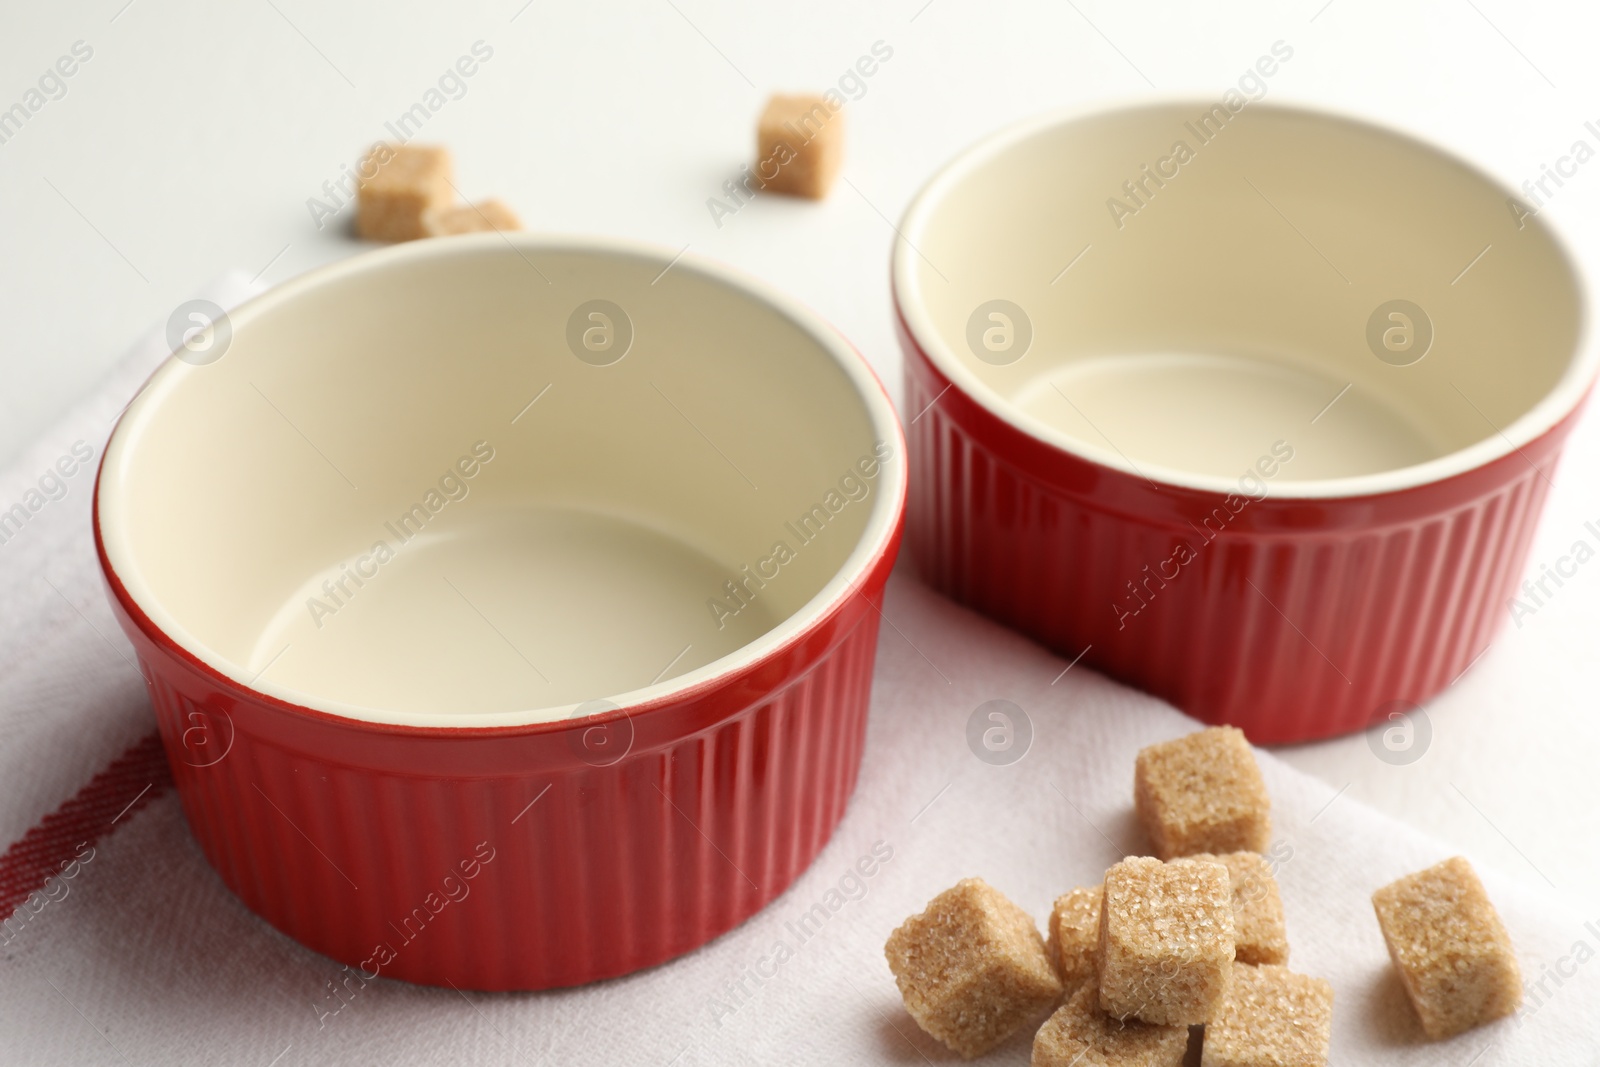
(144, 957)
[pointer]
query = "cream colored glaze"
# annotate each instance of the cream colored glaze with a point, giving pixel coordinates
(577, 562)
(1218, 414)
(557, 605)
(1224, 310)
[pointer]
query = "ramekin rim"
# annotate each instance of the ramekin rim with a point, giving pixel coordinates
(1566, 397)
(884, 523)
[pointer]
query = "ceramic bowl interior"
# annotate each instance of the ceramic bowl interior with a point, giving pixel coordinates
(1173, 290)
(442, 485)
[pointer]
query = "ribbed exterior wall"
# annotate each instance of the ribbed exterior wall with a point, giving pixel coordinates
(1277, 626)
(612, 869)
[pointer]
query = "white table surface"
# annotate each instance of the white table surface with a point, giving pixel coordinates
(192, 139)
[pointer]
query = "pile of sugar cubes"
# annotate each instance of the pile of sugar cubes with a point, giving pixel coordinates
(1194, 938)
(405, 192)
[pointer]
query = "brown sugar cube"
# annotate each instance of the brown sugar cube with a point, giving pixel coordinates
(972, 968)
(1202, 793)
(1080, 1034)
(1272, 1017)
(1166, 940)
(397, 185)
(1072, 936)
(799, 145)
(483, 217)
(1454, 956)
(1258, 930)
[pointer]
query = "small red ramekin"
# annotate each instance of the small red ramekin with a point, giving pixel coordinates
(524, 849)
(1312, 607)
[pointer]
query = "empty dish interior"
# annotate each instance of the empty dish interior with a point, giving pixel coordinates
(1187, 290)
(446, 484)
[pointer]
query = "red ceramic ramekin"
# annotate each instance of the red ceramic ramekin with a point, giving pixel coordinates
(1249, 406)
(508, 606)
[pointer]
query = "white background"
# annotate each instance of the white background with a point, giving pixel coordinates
(191, 141)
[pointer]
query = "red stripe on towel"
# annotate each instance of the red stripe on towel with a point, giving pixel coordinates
(127, 784)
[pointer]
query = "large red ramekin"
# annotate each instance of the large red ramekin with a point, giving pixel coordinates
(1296, 608)
(513, 845)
